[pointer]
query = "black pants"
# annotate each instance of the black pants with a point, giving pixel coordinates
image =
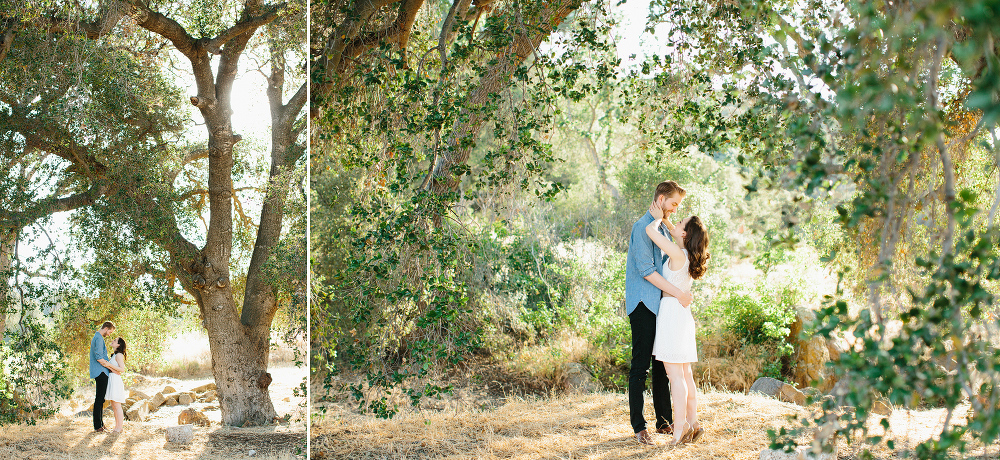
(643, 323)
(102, 390)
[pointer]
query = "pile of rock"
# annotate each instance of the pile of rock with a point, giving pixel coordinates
(141, 405)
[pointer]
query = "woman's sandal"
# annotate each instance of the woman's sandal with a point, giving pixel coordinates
(693, 435)
(682, 439)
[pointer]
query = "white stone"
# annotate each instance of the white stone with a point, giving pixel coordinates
(183, 434)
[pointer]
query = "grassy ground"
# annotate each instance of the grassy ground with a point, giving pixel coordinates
(74, 439)
(71, 437)
(591, 426)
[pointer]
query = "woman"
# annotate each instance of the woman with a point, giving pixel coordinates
(116, 386)
(674, 344)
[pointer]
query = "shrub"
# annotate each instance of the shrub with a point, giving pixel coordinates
(758, 319)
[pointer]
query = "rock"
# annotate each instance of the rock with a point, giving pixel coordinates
(169, 389)
(767, 386)
(156, 401)
(801, 453)
(211, 408)
(836, 346)
(210, 396)
(138, 411)
(578, 379)
(287, 399)
(183, 434)
(185, 399)
(192, 416)
(137, 395)
(205, 387)
(804, 317)
(810, 361)
(171, 401)
(90, 408)
(881, 407)
(790, 394)
(778, 389)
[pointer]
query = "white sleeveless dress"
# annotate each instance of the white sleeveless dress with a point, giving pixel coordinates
(675, 330)
(116, 386)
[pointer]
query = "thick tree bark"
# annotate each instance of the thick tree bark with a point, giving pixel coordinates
(260, 302)
(239, 340)
(7, 238)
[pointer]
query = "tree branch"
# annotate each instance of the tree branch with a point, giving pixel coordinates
(330, 61)
(248, 25)
(8, 40)
(194, 155)
(398, 33)
(52, 205)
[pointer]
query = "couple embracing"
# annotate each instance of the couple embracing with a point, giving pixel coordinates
(107, 373)
(663, 259)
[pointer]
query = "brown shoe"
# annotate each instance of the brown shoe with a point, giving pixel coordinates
(669, 429)
(644, 437)
(693, 435)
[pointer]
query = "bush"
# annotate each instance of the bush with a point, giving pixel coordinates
(758, 319)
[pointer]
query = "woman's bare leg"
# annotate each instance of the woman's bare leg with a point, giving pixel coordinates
(692, 397)
(119, 415)
(679, 396)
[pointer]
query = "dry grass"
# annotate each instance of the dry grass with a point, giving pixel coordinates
(593, 426)
(74, 439)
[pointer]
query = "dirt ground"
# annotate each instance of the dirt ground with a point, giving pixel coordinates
(71, 436)
(589, 426)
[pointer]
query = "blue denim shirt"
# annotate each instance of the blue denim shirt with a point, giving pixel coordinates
(641, 262)
(98, 350)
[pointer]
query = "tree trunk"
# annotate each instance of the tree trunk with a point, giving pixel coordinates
(239, 361)
(239, 340)
(7, 239)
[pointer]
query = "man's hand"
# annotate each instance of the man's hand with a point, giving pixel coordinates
(685, 298)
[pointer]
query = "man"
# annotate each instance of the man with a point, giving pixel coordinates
(99, 371)
(644, 285)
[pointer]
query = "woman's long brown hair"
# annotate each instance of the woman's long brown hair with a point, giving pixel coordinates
(121, 348)
(696, 243)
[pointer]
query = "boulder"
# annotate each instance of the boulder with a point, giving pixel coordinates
(836, 346)
(801, 453)
(579, 379)
(804, 317)
(185, 399)
(881, 407)
(192, 416)
(777, 389)
(107, 404)
(169, 389)
(205, 387)
(183, 434)
(137, 395)
(767, 386)
(788, 393)
(139, 411)
(171, 401)
(156, 401)
(210, 396)
(810, 361)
